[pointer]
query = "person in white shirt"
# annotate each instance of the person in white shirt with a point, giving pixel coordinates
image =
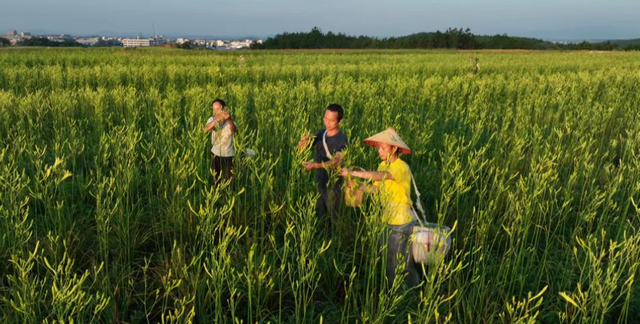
(222, 128)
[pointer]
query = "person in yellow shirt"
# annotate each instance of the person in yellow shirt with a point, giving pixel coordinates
(393, 181)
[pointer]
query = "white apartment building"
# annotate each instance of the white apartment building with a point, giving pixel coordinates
(88, 40)
(141, 42)
(240, 44)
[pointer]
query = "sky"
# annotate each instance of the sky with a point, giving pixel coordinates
(553, 20)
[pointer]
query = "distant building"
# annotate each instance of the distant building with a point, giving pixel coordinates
(90, 41)
(14, 37)
(182, 40)
(240, 44)
(142, 42)
(60, 38)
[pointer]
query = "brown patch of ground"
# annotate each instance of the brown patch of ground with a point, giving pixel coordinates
(499, 50)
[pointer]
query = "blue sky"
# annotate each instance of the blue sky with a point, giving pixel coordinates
(559, 19)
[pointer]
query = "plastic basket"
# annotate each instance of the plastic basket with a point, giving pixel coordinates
(430, 243)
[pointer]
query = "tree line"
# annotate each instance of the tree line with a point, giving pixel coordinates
(452, 38)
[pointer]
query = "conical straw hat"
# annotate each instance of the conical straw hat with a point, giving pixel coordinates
(389, 136)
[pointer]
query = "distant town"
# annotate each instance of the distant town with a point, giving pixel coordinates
(452, 38)
(16, 38)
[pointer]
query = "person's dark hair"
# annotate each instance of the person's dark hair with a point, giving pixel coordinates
(336, 108)
(220, 101)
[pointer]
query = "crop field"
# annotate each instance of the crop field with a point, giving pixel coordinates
(107, 214)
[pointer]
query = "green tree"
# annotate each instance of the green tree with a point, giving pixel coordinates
(43, 41)
(108, 43)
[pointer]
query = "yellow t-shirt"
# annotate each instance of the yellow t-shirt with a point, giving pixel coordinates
(396, 193)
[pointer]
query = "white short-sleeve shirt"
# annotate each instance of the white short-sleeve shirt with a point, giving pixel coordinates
(222, 140)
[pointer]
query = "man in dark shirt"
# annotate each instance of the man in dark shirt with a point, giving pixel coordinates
(327, 146)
